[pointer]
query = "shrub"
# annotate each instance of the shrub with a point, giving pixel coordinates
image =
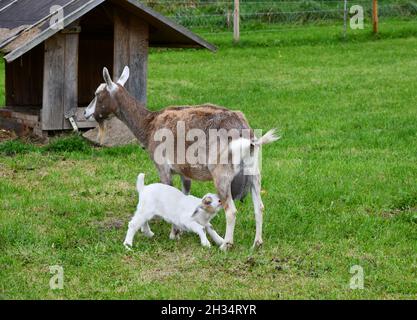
(72, 143)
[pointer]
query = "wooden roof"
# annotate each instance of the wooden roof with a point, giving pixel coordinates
(26, 23)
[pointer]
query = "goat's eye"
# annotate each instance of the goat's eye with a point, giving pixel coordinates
(207, 200)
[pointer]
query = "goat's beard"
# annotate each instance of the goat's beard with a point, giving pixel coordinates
(101, 131)
(102, 128)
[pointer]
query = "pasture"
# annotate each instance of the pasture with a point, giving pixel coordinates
(339, 188)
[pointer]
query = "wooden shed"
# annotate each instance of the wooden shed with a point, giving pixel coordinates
(55, 50)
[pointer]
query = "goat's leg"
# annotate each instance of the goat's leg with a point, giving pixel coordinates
(230, 210)
(175, 233)
(186, 185)
(214, 235)
(258, 208)
(223, 186)
(165, 175)
(200, 230)
(147, 230)
(135, 224)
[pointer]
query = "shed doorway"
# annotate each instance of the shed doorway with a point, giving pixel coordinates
(96, 51)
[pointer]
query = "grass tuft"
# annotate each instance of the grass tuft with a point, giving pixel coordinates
(71, 143)
(15, 147)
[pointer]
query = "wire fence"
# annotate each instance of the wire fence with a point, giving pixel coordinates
(214, 15)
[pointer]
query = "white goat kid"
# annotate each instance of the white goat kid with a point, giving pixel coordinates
(186, 213)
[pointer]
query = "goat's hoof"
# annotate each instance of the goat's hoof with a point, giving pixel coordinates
(207, 245)
(149, 234)
(128, 246)
(226, 246)
(220, 242)
(257, 244)
(174, 237)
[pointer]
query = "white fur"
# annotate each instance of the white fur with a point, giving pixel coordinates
(269, 137)
(124, 77)
(89, 112)
(111, 86)
(241, 149)
(182, 211)
(242, 146)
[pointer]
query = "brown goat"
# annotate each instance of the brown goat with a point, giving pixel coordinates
(229, 178)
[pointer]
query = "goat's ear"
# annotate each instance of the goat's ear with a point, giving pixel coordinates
(111, 86)
(124, 77)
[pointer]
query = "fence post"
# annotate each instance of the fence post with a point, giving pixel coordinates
(236, 18)
(345, 19)
(375, 15)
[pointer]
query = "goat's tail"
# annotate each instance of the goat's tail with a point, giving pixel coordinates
(241, 147)
(241, 150)
(269, 137)
(140, 183)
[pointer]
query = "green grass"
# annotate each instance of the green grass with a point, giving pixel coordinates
(339, 188)
(213, 14)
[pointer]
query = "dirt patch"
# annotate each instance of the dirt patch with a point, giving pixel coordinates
(395, 212)
(166, 265)
(111, 224)
(7, 135)
(6, 172)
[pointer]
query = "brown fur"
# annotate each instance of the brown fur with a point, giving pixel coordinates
(144, 123)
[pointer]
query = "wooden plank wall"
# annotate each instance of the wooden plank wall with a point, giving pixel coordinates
(131, 46)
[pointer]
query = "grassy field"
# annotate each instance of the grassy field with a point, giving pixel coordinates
(339, 189)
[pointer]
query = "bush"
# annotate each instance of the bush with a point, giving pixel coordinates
(72, 143)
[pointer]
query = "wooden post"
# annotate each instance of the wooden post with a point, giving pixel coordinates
(71, 74)
(236, 20)
(131, 45)
(60, 85)
(375, 15)
(345, 19)
(52, 114)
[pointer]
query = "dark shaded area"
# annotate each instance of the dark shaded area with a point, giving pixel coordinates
(95, 52)
(25, 90)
